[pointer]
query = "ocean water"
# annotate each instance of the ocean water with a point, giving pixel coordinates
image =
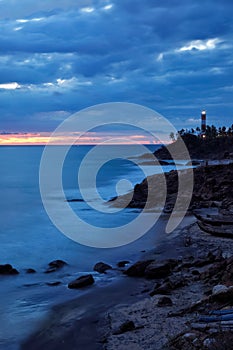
(28, 239)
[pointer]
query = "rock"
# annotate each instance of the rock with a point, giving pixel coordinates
(81, 282)
(164, 301)
(122, 263)
(138, 269)
(178, 281)
(160, 269)
(102, 267)
(195, 273)
(127, 326)
(220, 288)
(190, 336)
(53, 284)
(55, 265)
(171, 284)
(208, 342)
(165, 288)
(7, 269)
(224, 296)
(30, 271)
(203, 327)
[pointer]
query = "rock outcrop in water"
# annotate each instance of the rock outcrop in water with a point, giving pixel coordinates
(81, 282)
(55, 265)
(7, 269)
(102, 267)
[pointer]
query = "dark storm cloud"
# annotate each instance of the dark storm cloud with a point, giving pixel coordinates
(173, 56)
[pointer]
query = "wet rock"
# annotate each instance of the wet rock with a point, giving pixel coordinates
(81, 282)
(122, 263)
(55, 265)
(7, 269)
(138, 269)
(30, 271)
(160, 269)
(102, 267)
(53, 284)
(164, 301)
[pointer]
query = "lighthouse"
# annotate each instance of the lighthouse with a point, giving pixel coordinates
(203, 122)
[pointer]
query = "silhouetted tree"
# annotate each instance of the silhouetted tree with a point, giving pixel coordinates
(172, 136)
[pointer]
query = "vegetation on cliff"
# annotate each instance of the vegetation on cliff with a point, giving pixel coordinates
(213, 144)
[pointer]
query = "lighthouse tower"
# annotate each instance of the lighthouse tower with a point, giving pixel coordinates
(203, 122)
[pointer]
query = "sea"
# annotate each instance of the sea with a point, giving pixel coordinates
(29, 239)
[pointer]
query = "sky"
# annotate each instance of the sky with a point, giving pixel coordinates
(60, 56)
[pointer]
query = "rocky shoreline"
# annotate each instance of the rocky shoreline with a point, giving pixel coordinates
(191, 303)
(163, 301)
(178, 296)
(212, 188)
(181, 293)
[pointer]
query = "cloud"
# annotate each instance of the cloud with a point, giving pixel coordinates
(172, 56)
(10, 86)
(208, 44)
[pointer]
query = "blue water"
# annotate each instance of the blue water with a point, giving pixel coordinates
(28, 239)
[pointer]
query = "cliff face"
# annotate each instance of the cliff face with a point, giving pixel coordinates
(215, 148)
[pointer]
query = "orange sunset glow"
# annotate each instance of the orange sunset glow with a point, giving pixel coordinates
(43, 138)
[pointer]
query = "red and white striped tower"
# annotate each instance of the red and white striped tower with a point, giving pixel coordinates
(203, 121)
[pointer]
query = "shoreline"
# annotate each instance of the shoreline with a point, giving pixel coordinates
(76, 323)
(72, 326)
(137, 312)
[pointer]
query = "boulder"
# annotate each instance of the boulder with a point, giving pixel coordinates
(160, 269)
(122, 263)
(7, 269)
(222, 294)
(138, 269)
(30, 271)
(102, 267)
(55, 265)
(220, 288)
(81, 282)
